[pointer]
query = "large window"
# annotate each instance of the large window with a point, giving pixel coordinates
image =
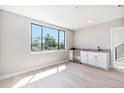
(46, 38)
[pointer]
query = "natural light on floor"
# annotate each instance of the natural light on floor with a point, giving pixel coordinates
(38, 76)
(23, 82)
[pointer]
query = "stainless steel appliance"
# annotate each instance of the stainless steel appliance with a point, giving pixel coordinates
(74, 55)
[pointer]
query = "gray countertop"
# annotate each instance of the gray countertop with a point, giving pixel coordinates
(95, 50)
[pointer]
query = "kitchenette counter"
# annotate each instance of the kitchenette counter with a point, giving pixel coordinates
(94, 50)
(91, 57)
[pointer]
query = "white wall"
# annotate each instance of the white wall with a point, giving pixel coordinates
(15, 49)
(98, 35)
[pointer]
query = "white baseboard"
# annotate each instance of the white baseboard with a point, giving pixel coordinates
(29, 70)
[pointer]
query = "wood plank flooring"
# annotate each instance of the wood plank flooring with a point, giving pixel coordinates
(67, 75)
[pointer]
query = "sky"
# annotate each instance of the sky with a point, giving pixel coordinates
(36, 31)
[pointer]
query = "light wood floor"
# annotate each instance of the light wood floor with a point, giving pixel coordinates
(67, 75)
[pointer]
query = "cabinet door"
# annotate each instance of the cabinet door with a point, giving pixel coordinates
(83, 56)
(102, 60)
(92, 57)
(71, 55)
(98, 59)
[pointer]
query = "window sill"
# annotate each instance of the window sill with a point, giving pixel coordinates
(48, 51)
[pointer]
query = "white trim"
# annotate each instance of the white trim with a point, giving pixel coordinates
(29, 70)
(120, 27)
(48, 51)
(118, 65)
(113, 61)
(112, 54)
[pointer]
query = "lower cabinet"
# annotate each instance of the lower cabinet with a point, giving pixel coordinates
(71, 55)
(99, 59)
(92, 58)
(102, 60)
(83, 57)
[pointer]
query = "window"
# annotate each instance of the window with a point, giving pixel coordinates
(46, 38)
(50, 38)
(61, 40)
(36, 38)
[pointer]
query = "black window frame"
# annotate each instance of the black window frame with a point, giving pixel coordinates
(42, 37)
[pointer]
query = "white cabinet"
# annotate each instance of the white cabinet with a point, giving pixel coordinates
(71, 55)
(83, 57)
(92, 58)
(99, 59)
(102, 60)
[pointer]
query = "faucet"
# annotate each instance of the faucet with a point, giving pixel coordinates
(98, 48)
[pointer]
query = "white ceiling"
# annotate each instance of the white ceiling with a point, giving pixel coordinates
(70, 16)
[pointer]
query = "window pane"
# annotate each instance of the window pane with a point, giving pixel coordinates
(61, 40)
(50, 38)
(36, 38)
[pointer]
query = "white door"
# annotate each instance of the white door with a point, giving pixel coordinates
(83, 57)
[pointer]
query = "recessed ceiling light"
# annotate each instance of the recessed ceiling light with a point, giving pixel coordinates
(90, 21)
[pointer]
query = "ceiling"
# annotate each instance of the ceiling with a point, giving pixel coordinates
(70, 16)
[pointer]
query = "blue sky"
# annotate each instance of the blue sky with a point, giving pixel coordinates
(36, 31)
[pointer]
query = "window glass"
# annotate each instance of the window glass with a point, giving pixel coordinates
(50, 38)
(36, 38)
(46, 38)
(61, 40)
